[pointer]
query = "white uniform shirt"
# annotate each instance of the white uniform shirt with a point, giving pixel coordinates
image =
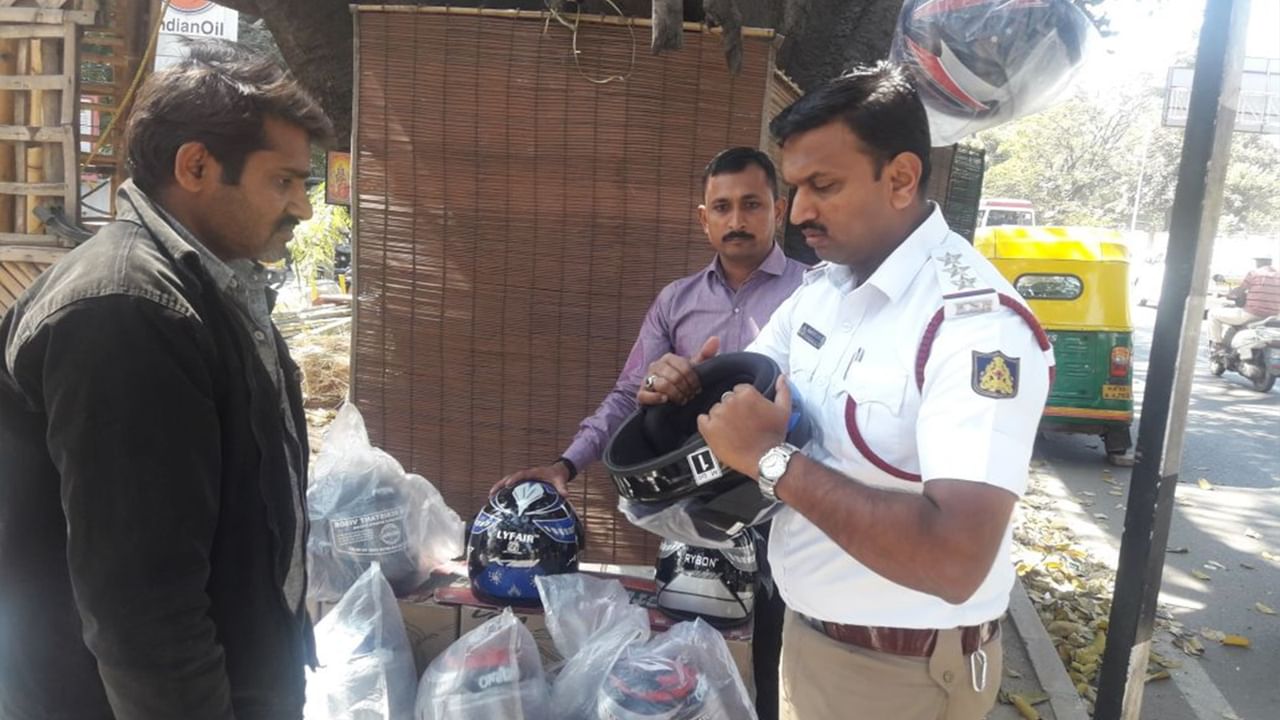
(839, 342)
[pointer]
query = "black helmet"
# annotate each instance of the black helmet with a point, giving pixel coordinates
(718, 586)
(657, 457)
(978, 60)
(645, 686)
(523, 531)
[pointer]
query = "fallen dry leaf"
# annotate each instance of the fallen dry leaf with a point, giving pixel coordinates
(1236, 641)
(1247, 566)
(1211, 634)
(1024, 708)
(1159, 675)
(1189, 645)
(1200, 575)
(1012, 673)
(1251, 533)
(1215, 565)
(1263, 609)
(1178, 550)
(1100, 516)
(1204, 484)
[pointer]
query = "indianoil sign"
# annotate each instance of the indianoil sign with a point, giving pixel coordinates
(192, 19)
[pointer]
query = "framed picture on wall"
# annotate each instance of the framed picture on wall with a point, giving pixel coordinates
(337, 186)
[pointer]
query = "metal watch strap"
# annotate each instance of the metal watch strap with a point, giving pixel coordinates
(768, 485)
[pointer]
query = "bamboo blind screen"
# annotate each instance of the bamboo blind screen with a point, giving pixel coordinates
(514, 221)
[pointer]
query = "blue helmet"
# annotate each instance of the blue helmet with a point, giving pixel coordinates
(522, 532)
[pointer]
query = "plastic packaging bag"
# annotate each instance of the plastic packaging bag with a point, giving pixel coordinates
(366, 667)
(979, 65)
(592, 622)
(492, 673)
(675, 521)
(614, 670)
(364, 508)
(685, 673)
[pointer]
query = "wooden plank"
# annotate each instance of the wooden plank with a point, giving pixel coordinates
(69, 156)
(30, 31)
(30, 247)
(21, 116)
(7, 3)
(51, 4)
(105, 40)
(32, 188)
(44, 16)
(9, 282)
(28, 133)
(6, 300)
(32, 82)
(20, 273)
(99, 89)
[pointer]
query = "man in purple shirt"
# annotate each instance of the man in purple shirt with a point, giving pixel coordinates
(730, 299)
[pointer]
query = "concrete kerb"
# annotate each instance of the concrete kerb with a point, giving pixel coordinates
(1063, 698)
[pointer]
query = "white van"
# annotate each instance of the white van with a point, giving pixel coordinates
(1006, 211)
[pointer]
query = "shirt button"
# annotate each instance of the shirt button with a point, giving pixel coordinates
(259, 335)
(737, 310)
(948, 676)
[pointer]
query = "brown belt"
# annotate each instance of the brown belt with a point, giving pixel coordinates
(904, 641)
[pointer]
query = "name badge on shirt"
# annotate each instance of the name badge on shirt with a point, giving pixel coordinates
(812, 336)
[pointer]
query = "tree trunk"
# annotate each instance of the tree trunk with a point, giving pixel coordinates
(823, 37)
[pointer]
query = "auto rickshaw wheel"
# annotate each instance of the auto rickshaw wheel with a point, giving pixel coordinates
(1117, 440)
(1217, 367)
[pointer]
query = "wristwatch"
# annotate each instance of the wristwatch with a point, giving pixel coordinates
(772, 466)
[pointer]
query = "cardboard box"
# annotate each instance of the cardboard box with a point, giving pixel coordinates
(431, 626)
(643, 592)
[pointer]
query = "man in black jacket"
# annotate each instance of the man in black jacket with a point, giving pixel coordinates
(152, 443)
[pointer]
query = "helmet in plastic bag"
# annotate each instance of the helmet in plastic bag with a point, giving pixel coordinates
(646, 686)
(718, 586)
(658, 458)
(492, 673)
(989, 59)
(367, 521)
(522, 532)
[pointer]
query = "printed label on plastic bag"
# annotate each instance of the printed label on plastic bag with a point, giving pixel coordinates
(373, 534)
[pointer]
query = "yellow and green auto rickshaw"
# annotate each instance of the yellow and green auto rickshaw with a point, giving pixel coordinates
(1076, 280)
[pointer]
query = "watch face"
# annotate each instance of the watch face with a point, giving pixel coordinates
(773, 465)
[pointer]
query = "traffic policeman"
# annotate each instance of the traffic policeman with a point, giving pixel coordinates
(926, 376)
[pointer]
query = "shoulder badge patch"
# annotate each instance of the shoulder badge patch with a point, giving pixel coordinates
(995, 375)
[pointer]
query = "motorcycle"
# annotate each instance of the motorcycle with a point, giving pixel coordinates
(1253, 350)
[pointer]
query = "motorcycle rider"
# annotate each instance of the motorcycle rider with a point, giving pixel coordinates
(1261, 293)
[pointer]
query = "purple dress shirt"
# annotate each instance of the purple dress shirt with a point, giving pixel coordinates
(684, 315)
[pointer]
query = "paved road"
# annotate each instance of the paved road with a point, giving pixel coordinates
(1233, 441)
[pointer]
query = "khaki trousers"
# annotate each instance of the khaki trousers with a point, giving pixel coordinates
(1221, 317)
(822, 679)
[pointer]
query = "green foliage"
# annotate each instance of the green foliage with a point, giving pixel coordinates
(314, 240)
(1080, 163)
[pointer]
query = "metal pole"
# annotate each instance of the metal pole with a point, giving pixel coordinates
(1197, 203)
